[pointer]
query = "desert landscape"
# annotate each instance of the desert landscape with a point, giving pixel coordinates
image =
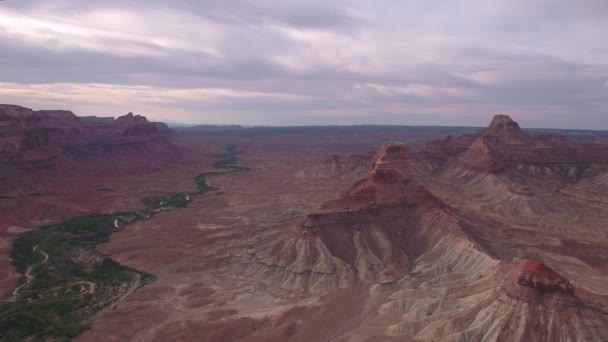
(303, 171)
(122, 229)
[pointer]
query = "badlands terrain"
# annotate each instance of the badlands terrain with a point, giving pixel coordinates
(123, 230)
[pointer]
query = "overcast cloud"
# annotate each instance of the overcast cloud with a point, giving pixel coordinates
(285, 62)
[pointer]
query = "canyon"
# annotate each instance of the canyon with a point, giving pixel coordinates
(356, 233)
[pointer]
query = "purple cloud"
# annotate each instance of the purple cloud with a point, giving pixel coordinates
(285, 62)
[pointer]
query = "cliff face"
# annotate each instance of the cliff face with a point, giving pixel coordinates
(431, 275)
(504, 146)
(391, 181)
(97, 121)
(31, 138)
(24, 133)
(371, 233)
(127, 121)
(130, 120)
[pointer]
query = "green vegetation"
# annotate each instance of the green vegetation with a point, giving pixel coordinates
(176, 200)
(225, 161)
(22, 253)
(75, 282)
(41, 320)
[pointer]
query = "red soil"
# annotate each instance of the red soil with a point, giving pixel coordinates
(539, 276)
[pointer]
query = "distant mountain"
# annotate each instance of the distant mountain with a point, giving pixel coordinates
(40, 139)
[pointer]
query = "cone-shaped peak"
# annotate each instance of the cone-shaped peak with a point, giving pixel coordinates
(502, 125)
(392, 181)
(393, 163)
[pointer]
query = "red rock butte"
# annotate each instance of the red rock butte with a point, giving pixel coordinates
(35, 139)
(392, 181)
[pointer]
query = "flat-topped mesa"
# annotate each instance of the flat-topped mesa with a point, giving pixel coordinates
(97, 121)
(62, 119)
(128, 124)
(18, 117)
(538, 276)
(13, 112)
(502, 126)
(33, 138)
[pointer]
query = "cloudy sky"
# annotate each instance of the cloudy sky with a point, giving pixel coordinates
(286, 62)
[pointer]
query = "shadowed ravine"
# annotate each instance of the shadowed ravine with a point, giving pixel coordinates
(66, 282)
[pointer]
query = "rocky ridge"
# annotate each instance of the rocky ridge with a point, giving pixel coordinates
(371, 233)
(504, 146)
(436, 280)
(505, 169)
(30, 139)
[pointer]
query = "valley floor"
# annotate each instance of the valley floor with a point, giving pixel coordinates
(207, 290)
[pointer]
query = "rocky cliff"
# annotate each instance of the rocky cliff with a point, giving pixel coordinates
(430, 276)
(33, 139)
(504, 146)
(372, 233)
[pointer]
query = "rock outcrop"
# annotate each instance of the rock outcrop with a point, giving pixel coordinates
(504, 147)
(97, 121)
(130, 120)
(26, 134)
(161, 127)
(540, 277)
(33, 139)
(372, 233)
(431, 278)
(503, 126)
(392, 181)
(124, 122)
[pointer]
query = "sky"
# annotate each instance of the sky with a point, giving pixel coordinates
(314, 62)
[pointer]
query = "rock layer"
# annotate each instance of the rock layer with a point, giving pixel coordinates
(372, 233)
(540, 277)
(432, 277)
(503, 147)
(29, 138)
(392, 181)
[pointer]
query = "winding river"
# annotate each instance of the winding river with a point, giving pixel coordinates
(59, 295)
